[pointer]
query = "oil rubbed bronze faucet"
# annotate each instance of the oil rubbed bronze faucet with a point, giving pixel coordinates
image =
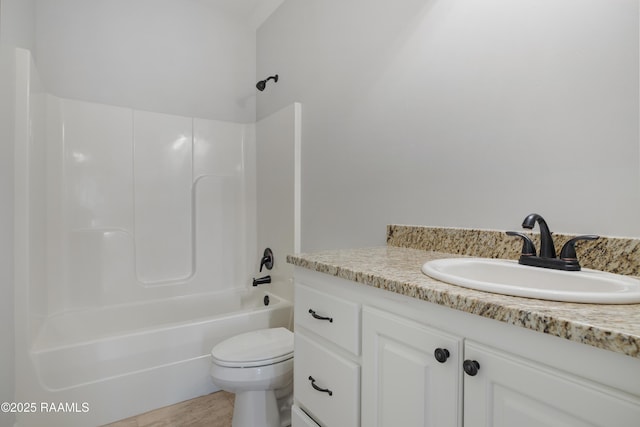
(547, 250)
(262, 281)
(267, 259)
(568, 259)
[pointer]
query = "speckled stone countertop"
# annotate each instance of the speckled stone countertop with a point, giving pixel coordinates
(397, 269)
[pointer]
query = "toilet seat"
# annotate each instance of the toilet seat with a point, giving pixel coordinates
(256, 348)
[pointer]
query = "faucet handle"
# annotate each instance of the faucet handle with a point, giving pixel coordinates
(528, 248)
(568, 251)
(267, 259)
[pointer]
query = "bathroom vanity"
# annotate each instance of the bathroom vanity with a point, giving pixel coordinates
(378, 343)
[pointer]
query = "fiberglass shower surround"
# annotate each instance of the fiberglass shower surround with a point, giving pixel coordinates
(132, 234)
(144, 261)
(144, 201)
(136, 240)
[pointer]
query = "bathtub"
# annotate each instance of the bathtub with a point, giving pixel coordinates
(114, 362)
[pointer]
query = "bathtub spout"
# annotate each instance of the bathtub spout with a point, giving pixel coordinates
(262, 280)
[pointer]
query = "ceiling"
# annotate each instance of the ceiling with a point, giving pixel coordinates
(253, 12)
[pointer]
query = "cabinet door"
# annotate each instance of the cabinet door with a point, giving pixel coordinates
(402, 383)
(509, 391)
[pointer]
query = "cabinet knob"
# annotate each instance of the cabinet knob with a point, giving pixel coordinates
(471, 367)
(441, 354)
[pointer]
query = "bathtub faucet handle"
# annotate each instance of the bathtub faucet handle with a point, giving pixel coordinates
(262, 281)
(267, 259)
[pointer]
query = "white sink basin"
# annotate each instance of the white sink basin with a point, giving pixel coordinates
(510, 278)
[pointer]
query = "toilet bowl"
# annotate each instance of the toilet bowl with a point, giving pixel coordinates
(258, 367)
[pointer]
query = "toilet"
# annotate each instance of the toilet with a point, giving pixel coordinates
(258, 367)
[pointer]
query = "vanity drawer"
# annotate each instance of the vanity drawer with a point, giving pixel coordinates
(326, 385)
(334, 319)
(300, 419)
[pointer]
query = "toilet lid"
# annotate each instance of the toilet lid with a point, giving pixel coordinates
(255, 348)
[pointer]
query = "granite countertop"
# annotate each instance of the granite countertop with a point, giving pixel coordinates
(397, 269)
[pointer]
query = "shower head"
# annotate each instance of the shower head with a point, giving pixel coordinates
(263, 83)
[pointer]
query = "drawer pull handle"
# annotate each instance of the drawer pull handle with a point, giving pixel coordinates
(316, 316)
(324, 390)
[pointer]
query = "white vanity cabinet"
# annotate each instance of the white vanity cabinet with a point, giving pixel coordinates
(493, 375)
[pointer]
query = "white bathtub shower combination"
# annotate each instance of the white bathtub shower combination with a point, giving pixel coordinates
(134, 251)
(136, 337)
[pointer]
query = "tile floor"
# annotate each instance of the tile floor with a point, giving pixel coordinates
(212, 410)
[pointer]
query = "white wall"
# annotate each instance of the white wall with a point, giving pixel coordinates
(459, 113)
(6, 230)
(16, 29)
(169, 56)
(17, 23)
